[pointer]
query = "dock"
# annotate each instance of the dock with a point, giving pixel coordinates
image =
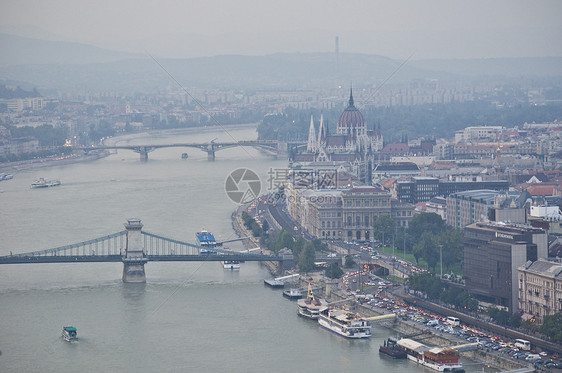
(273, 283)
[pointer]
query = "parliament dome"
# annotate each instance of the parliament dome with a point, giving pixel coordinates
(351, 116)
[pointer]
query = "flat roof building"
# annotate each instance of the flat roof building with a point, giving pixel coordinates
(492, 254)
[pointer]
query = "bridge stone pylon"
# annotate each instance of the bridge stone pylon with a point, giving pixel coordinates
(134, 258)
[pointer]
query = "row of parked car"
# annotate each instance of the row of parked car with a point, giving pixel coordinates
(485, 340)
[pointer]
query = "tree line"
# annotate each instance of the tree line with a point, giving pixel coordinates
(398, 123)
(426, 237)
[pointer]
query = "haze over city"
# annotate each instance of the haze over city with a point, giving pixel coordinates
(397, 29)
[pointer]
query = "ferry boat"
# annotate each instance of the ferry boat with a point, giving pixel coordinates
(44, 183)
(311, 306)
(392, 349)
(207, 240)
(344, 323)
(69, 334)
(231, 264)
(441, 359)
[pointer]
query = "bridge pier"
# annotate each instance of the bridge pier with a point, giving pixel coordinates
(143, 155)
(210, 155)
(134, 258)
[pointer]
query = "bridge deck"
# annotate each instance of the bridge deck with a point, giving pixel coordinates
(151, 258)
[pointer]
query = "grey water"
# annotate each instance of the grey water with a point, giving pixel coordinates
(188, 317)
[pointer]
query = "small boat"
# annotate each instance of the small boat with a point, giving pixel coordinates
(310, 307)
(293, 293)
(4, 176)
(69, 334)
(342, 322)
(231, 264)
(392, 349)
(44, 183)
(184, 155)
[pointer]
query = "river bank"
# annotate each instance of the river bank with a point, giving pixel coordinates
(14, 167)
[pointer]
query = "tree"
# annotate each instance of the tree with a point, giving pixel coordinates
(307, 258)
(552, 327)
(425, 222)
(451, 240)
(349, 262)
(426, 248)
(334, 271)
(383, 226)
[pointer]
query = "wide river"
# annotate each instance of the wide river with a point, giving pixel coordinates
(188, 317)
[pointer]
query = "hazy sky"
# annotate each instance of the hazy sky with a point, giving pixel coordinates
(393, 28)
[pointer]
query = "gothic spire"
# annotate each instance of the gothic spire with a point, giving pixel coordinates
(311, 145)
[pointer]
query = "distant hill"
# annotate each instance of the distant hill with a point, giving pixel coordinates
(72, 66)
(19, 50)
(507, 67)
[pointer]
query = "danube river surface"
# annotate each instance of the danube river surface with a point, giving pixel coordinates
(188, 317)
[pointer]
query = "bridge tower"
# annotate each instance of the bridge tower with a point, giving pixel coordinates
(134, 258)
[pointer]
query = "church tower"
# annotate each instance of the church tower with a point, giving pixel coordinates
(311, 145)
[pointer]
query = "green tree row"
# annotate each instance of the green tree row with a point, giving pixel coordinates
(426, 235)
(304, 252)
(434, 289)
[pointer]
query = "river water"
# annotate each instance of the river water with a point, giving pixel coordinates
(188, 317)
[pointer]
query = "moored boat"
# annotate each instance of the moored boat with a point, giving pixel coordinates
(310, 307)
(442, 359)
(69, 334)
(391, 348)
(344, 323)
(293, 293)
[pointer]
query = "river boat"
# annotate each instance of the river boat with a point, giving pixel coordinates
(392, 349)
(206, 240)
(344, 323)
(4, 176)
(441, 359)
(44, 183)
(184, 156)
(231, 264)
(293, 293)
(69, 334)
(310, 307)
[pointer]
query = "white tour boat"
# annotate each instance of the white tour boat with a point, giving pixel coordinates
(231, 264)
(344, 323)
(44, 183)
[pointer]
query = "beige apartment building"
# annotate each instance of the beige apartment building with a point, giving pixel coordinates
(540, 288)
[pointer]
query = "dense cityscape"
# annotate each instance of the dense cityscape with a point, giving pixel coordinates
(368, 213)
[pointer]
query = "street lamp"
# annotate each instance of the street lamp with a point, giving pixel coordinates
(441, 259)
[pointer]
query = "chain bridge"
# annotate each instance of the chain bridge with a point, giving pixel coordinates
(134, 248)
(271, 146)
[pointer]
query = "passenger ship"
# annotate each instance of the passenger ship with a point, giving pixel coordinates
(344, 323)
(207, 240)
(442, 359)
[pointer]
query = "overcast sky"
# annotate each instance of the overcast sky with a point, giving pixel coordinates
(393, 28)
